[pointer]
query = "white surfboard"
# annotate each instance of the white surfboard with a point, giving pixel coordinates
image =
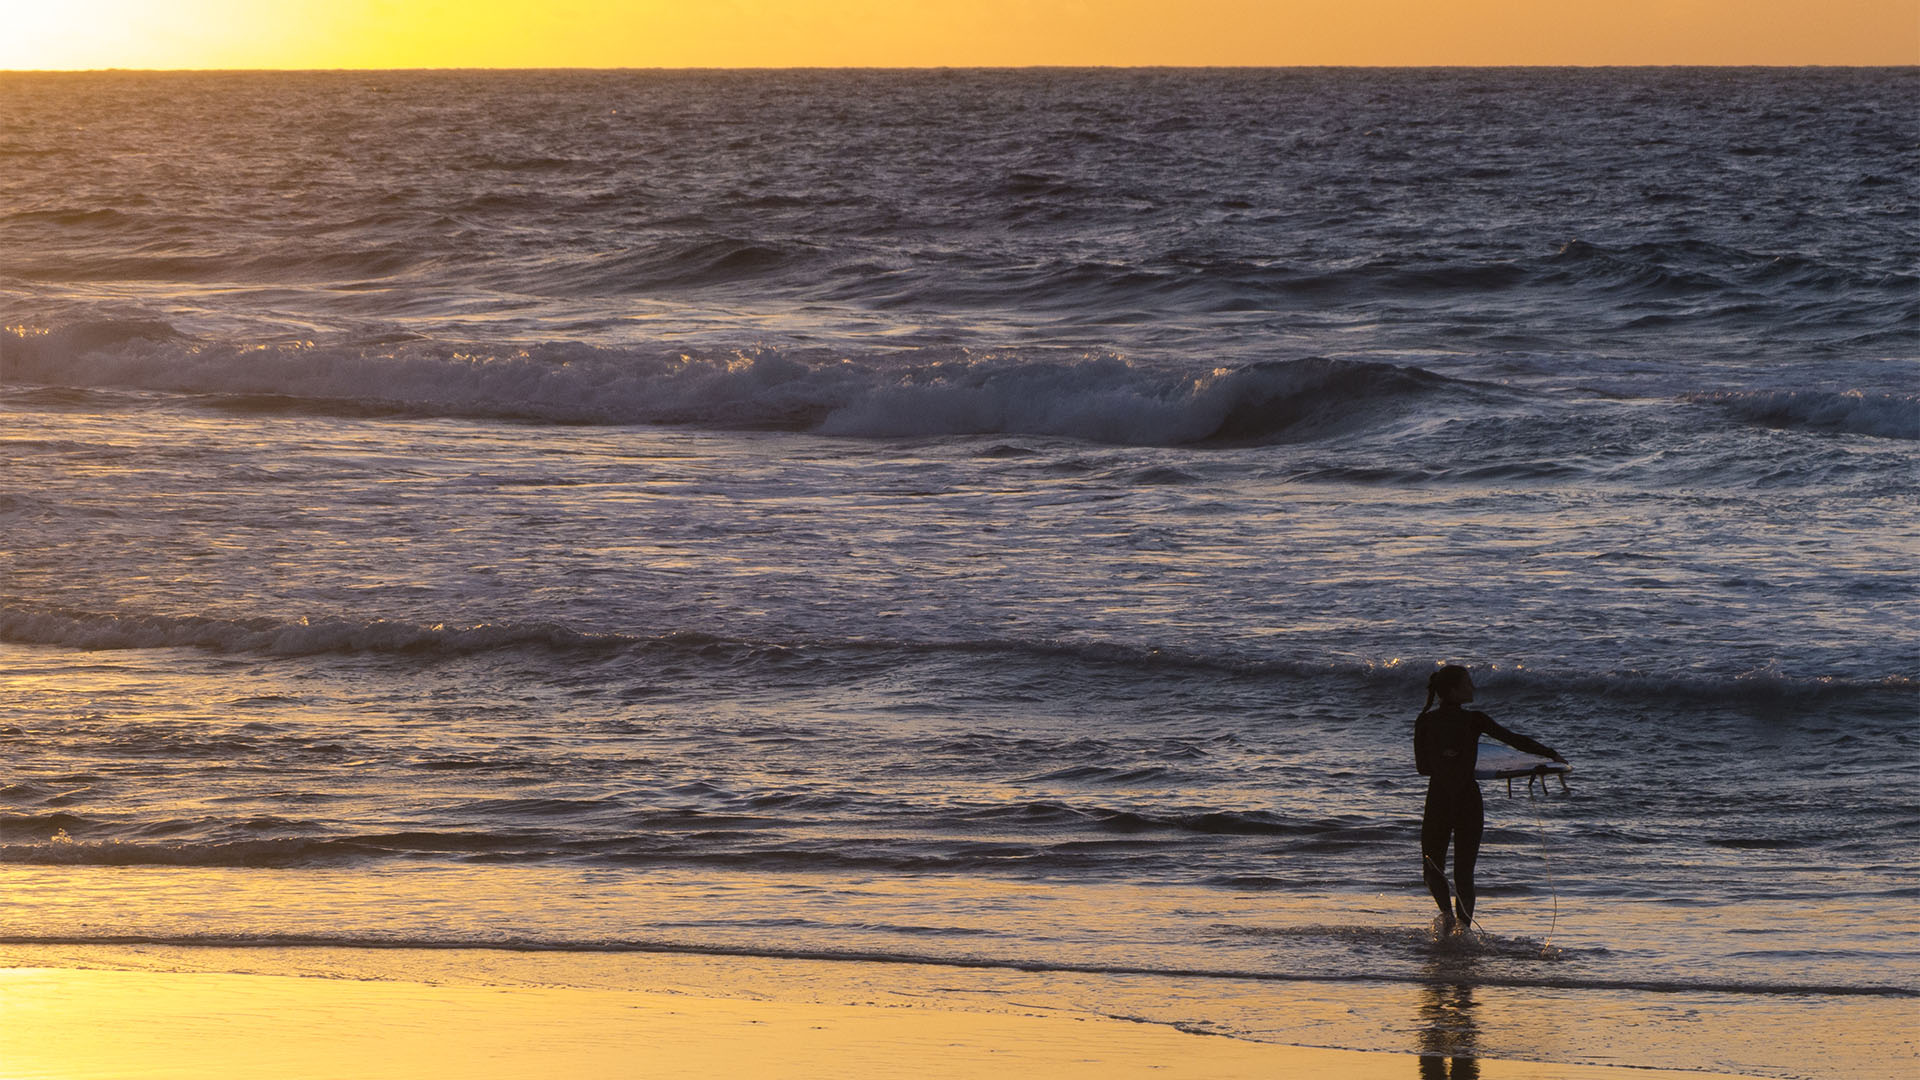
(1499, 763)
(1502, 763)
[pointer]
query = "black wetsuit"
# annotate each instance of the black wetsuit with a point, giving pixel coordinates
(1446, 743)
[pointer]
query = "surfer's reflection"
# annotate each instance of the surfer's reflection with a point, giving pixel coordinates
(1448, 1033)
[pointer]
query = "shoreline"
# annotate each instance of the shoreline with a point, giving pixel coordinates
(773, 954)
(157, 1014)
(1396, 990)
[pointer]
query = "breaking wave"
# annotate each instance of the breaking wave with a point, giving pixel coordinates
(1095, 397)
(1888, 416)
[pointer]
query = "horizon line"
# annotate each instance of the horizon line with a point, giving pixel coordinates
(953, 67)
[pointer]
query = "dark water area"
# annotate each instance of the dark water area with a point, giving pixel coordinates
(993, 518)
(1212, 215)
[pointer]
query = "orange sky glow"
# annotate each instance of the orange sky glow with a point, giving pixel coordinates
(929, 33)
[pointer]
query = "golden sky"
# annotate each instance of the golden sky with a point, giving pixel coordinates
(916, 33)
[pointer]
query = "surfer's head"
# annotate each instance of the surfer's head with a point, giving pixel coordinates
(1452, 684)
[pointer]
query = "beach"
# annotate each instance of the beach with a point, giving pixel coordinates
(952, 559)
(146, 1014)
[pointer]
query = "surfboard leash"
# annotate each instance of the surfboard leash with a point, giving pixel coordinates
(1553, 889)
(1472, 923)
(1546, 857)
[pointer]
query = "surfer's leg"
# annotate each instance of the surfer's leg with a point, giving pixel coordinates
(1434, 829)
(1469, 822)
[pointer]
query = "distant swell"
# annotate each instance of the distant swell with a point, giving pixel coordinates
(276, 637)
(1100, 398)
(1448, 976)
(37, 625)
(1889, 416)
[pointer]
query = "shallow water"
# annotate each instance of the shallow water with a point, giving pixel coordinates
(981, 517)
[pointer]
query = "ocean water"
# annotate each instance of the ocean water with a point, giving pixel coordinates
(1001, 520)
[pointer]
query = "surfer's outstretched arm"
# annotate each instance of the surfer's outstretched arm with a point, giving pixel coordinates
(1516, 740)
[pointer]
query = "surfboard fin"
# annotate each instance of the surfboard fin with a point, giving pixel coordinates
(1540, 774)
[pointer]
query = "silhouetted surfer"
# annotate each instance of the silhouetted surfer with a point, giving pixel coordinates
(1446, 744)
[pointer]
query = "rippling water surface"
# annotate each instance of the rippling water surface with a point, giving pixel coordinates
(983, 517)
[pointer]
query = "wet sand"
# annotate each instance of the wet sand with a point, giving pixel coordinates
(79, 1024)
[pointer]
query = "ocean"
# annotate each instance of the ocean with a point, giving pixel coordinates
(994, 520)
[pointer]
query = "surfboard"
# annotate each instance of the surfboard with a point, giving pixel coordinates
(1500, 763)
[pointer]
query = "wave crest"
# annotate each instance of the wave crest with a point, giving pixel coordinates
(920, 393)
(1888, 416)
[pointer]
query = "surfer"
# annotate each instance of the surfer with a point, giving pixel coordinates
(1446, 743)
